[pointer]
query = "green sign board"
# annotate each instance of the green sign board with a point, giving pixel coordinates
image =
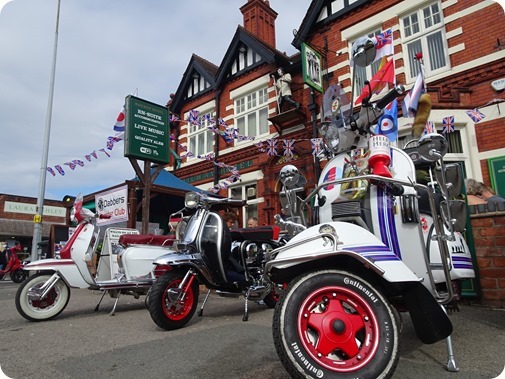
(147, 131)
(497, 174)
(312, 68)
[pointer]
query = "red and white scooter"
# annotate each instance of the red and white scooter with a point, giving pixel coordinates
(124, 267)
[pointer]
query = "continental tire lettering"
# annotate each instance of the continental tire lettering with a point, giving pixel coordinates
(362, 288)
(308, 366)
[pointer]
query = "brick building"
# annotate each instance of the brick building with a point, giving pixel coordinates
(16, 218)
(463, 56)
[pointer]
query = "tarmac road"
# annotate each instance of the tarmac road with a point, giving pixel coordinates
(81, 343)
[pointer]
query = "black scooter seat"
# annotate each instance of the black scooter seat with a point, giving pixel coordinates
(259, 233)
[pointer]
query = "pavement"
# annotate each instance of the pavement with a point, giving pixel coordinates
(81, 343)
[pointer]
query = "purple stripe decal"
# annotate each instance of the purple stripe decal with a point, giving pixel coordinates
(387, 224)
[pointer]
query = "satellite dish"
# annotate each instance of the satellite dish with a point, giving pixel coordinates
(363, 51)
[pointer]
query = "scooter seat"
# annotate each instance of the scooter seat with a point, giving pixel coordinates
(146, 239)
(259, 233)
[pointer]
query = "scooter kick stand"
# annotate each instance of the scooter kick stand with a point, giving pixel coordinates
(246, 311)
(451, 361)
(112, 313)
(200, 312)
(101, 298)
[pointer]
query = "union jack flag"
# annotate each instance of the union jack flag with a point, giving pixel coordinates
(222, 122)
(93, 154)
(79, 162)
(272, 147)
(448, 124)
(475, 115)
(288, 148)
(173, 118)
(384, 38)
(51, 171)
(430, 128)
(317, 145)
(88, 157)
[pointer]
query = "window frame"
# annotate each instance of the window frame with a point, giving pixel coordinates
(252, 105)
(196, 131)
(421, 36)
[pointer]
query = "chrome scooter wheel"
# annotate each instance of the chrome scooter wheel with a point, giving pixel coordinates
(49, 307)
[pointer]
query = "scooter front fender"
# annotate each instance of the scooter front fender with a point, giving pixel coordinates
(181, 259)
(335, 239)
(66, 268)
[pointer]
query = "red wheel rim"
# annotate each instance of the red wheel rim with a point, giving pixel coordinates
(182, 308)
(338, 329)
(48, 301)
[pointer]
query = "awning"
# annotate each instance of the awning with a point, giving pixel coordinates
(21, 228)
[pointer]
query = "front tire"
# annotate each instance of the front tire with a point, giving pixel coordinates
(334, 324)
(169, 314)
(48, 308)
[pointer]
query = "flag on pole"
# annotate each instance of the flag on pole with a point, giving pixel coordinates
(383, 44)
(119, 126)
(388, 122)
(448, 124)
(384, 76)
(409, 105)
(475, 115)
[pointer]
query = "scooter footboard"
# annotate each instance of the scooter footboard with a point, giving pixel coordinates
(430, 320)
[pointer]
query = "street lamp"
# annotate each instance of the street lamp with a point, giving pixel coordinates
(37, 219)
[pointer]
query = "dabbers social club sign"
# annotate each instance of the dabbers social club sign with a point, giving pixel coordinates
(113, 203)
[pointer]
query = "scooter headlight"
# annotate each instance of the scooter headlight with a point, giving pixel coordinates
(191, 200)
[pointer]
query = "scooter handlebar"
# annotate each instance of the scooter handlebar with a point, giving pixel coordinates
(390, 96)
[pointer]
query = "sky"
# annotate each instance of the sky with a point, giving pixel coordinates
(106, 50)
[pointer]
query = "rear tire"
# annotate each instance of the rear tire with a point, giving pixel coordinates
(48, 308)
(333, 324)
(18, 276)
(170, 315)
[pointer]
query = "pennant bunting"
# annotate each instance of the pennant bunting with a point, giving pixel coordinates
(59, 169)
(71, 165)
(51, 171)
(475, 115)
(272, 147)
(316, 145)
(289, 146)
(448, 124)
(429, 128)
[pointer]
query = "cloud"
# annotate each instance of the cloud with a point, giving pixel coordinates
(106, 50)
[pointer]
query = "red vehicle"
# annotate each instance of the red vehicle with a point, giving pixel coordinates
(11, 263)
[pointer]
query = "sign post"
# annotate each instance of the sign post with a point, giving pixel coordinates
(146, 138)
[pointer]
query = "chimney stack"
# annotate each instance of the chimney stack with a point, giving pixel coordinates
(259, 20)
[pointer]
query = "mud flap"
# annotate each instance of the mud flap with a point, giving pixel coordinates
(431, 322)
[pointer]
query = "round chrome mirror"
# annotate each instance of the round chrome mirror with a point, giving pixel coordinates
(289, 176)
(432, 146)
(363, 52)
